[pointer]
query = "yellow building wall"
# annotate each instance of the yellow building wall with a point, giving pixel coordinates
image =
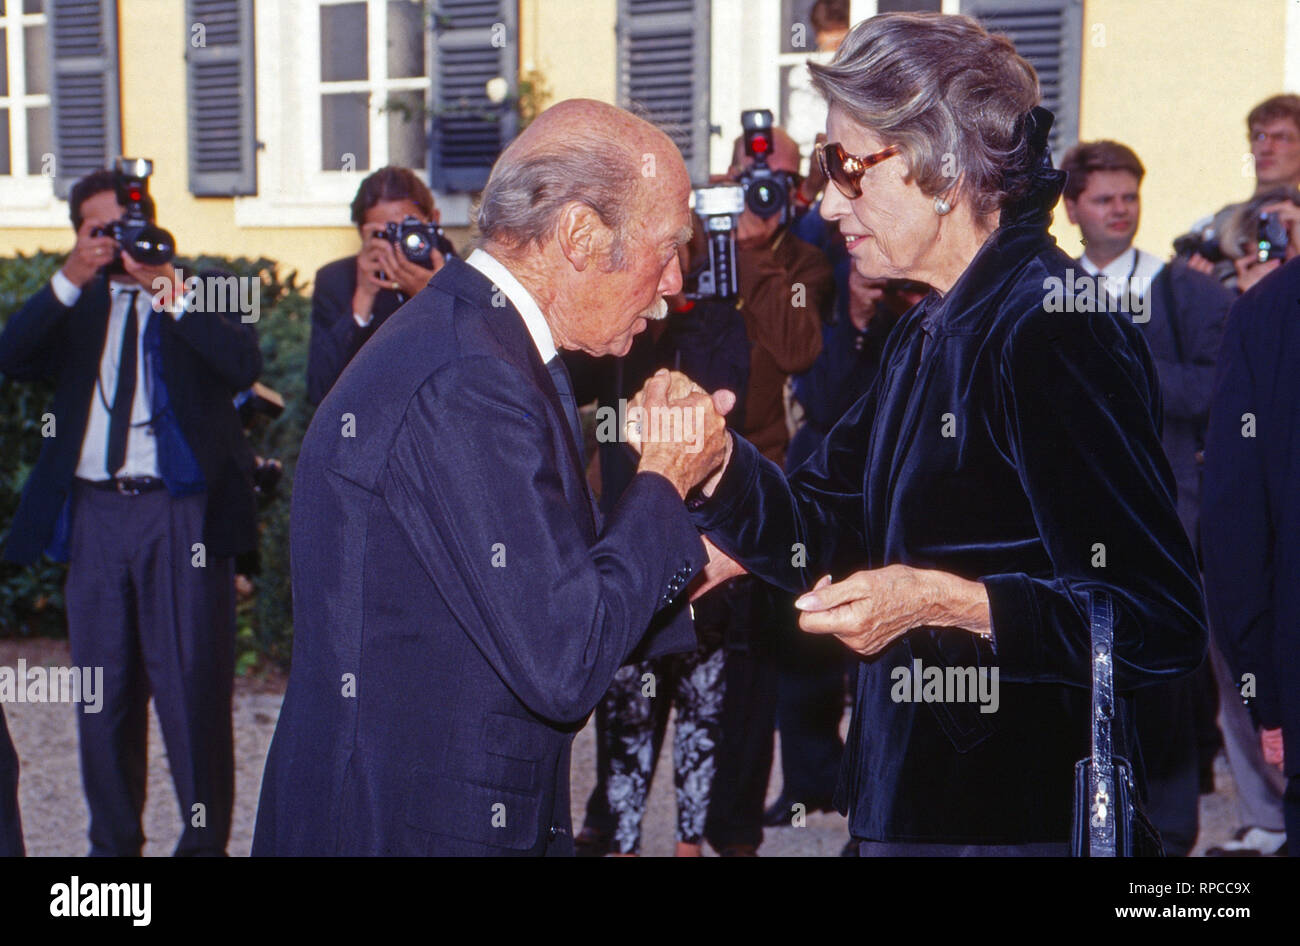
(572, 43)
(1174, 80)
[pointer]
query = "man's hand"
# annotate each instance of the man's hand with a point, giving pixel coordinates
(88, 256)
(164, 282)
(870, 609)
(719, 568)
(1270, 743)
(403, 275)
(683, 434)
(1250, 272)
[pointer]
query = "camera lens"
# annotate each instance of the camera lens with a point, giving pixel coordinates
(152, 245)
(765, 198)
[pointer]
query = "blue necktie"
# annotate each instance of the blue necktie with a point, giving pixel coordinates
(560, 375)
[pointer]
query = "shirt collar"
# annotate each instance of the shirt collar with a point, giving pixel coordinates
(502, 279)
(1120, 267)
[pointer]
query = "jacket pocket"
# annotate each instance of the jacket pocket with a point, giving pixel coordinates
(964, 723)
(482, 814)
(514, 750)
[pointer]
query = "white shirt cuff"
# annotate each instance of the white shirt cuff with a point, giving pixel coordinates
(64, 289)
(361, 321)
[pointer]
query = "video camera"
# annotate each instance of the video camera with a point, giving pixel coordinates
(767, 192)
(417, 239)
(135, 233)
(715, 277)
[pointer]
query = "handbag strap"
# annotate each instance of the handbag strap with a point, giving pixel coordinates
(1102, 795)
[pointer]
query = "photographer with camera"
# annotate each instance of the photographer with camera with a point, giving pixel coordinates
(402, 246)
(144, 487)
(785, 287)
(1273, 127)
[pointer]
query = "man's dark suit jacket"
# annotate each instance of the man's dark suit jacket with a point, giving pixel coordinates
(206, 358)
(1183, 345)
(1250, 509)
(335, 334)
(458, 610)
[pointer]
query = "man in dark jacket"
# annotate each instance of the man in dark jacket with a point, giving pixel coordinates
(1181, 314)
(145, 486)
(1250, 518)
(459, 604)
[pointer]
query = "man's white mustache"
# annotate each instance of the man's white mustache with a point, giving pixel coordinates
(657, 311)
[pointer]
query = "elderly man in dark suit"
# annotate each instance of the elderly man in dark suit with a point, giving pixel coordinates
(460, 607)
(1250, 518)
(145, 488)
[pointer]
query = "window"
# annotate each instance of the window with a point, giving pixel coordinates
(25, 138)
(26, 131)
(373, 84)
(343, 88)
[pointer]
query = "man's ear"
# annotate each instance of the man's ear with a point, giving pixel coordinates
(582, 234)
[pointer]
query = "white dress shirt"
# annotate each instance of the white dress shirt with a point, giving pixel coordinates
(501, 278)
(141, 448)
(1135, 266)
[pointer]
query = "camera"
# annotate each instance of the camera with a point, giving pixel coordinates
(1203, 242)
(715, 276)
(767, 192)
(1271, 238)
(417, 239)
(135, 233)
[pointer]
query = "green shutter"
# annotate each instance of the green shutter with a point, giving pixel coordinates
(219, 67)
(474, 41)
(84, 90)
(663, 71)
(1049, 33)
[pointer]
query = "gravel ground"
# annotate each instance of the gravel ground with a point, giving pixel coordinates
(54, 810)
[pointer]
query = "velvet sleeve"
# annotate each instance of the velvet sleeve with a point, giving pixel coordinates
(1078, 398)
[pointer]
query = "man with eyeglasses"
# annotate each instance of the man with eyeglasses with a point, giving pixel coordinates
(1274, 129)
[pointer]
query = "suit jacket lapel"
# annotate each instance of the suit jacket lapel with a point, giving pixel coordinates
(508, 326)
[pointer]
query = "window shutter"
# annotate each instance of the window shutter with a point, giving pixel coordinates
(474, 41)
(663, 72)
(84, 91)
(219, 63)
(1049, 33)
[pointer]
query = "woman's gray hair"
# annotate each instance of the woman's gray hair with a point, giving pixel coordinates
(952, 95)
(1240, 233)
(523, 199)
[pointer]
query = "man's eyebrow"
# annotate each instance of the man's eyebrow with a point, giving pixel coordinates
(684, 234)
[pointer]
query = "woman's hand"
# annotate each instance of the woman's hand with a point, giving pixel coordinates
(719, 568)
(869, 610)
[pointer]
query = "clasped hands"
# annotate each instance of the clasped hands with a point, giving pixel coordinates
(680, 433)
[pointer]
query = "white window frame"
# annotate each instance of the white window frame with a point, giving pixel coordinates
(292, 189)
(746, 66)
(27, 198)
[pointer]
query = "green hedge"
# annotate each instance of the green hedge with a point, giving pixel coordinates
(31, 599)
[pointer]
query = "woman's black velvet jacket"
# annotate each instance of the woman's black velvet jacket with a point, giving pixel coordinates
(1020, 447)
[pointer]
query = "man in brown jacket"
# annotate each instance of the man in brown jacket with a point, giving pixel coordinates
(785, 286)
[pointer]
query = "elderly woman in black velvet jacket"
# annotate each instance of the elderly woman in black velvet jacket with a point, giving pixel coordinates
(1005, 465)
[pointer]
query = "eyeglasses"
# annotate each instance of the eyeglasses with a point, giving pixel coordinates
(845, 170)
(1279, 137)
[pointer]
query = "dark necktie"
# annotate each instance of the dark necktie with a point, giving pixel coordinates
(560, 375)
(119, 425)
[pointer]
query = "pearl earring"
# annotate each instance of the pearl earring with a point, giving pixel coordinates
(941, 206)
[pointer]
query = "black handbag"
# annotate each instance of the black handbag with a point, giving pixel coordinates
(1108, 820)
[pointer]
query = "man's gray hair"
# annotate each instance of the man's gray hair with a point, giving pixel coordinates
(953, 96)
(523, 199)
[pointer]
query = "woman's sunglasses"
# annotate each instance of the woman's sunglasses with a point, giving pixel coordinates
(845, 170)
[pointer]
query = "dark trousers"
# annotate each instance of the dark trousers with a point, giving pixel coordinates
(1291, 810)
(809, 707)
(159, 624)
(744, 757)
(11, 827)
(1166, 718)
